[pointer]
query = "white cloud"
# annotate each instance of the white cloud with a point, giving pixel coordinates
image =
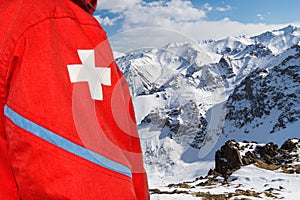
(223, 9)
(106, 21)
(161, 13)
(260, 16)
(137, 13)
(207, 7)
(117, 5)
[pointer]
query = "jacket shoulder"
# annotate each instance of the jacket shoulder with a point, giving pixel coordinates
(19, 15)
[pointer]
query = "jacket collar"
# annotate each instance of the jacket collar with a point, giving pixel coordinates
(87, 5)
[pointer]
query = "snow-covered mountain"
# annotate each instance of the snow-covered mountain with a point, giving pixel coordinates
(190, 98)
(267, 97)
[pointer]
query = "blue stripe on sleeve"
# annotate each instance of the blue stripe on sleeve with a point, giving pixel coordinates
(65, 144)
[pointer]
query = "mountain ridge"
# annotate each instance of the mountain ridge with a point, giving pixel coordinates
(190, 98)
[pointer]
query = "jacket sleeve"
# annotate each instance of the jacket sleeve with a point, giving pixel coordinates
(70, 125)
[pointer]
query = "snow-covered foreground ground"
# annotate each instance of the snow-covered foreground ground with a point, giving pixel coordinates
(190, 181)
(249, 182)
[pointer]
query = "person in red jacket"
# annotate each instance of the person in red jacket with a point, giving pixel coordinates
(67, 123)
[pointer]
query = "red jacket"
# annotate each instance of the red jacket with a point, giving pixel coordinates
(67, 123)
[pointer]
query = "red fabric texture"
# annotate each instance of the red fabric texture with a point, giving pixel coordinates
(39, 39)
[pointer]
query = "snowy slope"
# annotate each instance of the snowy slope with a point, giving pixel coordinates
(258, 180)
(249, 182)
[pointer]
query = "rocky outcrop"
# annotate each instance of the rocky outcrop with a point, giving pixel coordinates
(185, 123)
(228, 159)
(233, 155)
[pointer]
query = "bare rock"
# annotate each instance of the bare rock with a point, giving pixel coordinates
(228, 159)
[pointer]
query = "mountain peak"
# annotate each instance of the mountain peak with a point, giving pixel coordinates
(288, 29)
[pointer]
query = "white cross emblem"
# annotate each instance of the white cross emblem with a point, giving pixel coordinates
(88, 72)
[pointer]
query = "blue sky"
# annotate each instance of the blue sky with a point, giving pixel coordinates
(256, 11)
(194, 19)
(244, 11)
